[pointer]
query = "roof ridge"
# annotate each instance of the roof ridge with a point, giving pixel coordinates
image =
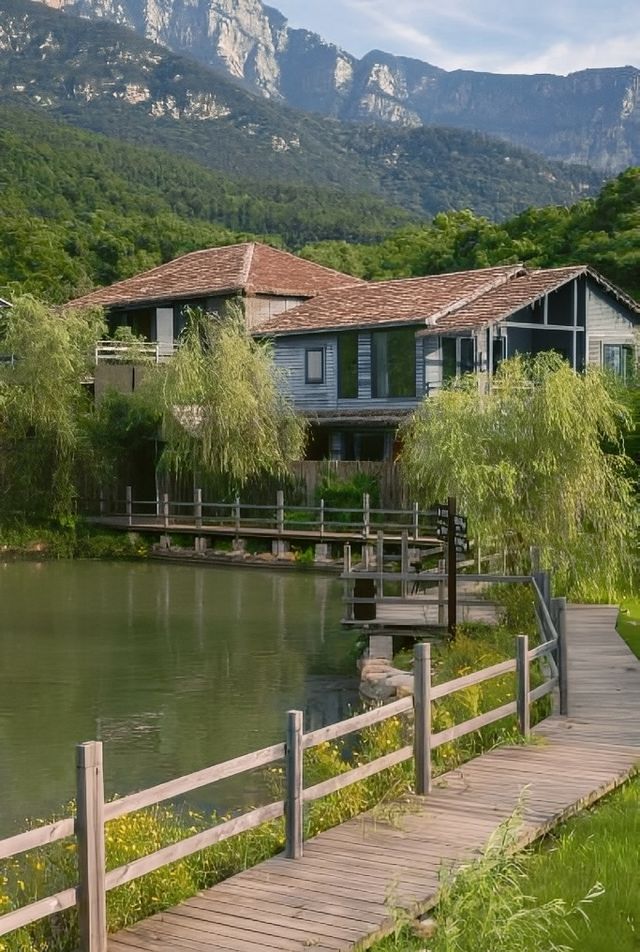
(248, 262)
(517, 271)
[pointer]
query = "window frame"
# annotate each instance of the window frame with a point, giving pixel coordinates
(313, 380)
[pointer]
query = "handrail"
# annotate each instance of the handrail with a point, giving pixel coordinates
(88, 828)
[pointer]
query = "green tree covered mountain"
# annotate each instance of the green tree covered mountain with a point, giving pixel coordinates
(603, 232)
(105, 78)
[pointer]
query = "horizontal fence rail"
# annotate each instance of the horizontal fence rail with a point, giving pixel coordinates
(88, 827)
(320, 521)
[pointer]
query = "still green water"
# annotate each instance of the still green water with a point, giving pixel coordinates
(172, 667)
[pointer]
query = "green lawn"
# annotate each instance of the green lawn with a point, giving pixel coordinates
(595, 854)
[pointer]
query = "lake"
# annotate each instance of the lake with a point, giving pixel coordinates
(173, 667)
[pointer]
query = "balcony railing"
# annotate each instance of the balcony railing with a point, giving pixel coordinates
(113, 351)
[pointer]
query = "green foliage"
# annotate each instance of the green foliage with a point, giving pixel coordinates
(119, 426)
(225, 412)
(44, 406)
(527, 463)
(343, 493)
(75, 540)
(603, 232)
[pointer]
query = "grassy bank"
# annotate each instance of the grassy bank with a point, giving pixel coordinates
(48, 870)
(75, 541)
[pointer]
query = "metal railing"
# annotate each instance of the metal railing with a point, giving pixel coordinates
(88, 827)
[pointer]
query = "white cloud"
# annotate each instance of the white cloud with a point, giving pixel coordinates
(558, 36)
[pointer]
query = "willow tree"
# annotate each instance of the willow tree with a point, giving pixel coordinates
(47, 355)
(225, 409)
(538, 460)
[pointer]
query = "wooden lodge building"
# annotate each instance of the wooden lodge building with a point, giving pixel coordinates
(359, 356)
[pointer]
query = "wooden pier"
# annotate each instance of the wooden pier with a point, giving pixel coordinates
(338, 890)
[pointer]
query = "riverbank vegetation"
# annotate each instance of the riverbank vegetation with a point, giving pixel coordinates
(539, 460)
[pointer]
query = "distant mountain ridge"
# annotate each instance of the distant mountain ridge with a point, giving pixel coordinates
(105, 78)
(590, 117)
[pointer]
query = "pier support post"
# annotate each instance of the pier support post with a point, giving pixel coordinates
(293, 808)
(422, 729)
(280, 510)
(523, 686)
(559, 615)
(92, 907)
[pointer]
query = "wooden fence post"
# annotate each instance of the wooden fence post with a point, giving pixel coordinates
(416, 521)
(545, 579)
(92, 911)
(280, 510)
(101, 503)
(534, 554)
(236, 513)
(380, 563)
(523, 685)
(560, 621)
(366, 515)
(129, 505)
(197, 508)
(422, 726)
(293, 809)
(322, 518)
(349, 587)
(165, 509)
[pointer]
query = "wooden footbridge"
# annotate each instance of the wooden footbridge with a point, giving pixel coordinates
(337, 890)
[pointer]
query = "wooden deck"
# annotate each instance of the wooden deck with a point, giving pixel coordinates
(340, 894)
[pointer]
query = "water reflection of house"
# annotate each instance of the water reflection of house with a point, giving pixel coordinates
(359, 356)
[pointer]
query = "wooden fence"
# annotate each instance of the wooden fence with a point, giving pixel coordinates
(88, 827)
(280, 518)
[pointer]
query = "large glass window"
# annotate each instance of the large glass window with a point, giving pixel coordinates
(348, 365)
(393, 363)
(499, 351)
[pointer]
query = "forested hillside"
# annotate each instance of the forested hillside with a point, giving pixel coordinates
(79, 209)
(603, 232)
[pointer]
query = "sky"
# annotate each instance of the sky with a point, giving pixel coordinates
(537, 36)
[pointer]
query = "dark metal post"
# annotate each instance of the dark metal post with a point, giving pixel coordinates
(523, 687)
(197, 508)
(561, 656)
(452, 581)
(422, 729)
(295, 784)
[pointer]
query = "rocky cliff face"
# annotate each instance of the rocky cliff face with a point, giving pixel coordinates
(589, 117)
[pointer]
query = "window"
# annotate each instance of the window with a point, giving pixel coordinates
(618, 359)
(348, 365)
(498, 351)
(314, 365)
(467, 355)
(393, 363)
(458, 356)
(449, 359)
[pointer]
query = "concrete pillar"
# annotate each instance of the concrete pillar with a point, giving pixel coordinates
(381, 646)
(279, 547)
(165, 542)
(322, 553)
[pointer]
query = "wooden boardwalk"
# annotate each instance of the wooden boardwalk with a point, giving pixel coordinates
(340, 894)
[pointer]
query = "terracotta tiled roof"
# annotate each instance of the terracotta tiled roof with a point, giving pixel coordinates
(253, 268)
(499, 303)
(388, 302)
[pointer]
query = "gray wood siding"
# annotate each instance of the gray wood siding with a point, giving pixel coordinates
(289, 355)
(262, 308)
(608, 321)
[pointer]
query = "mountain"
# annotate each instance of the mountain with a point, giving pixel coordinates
(105, 78)
(591, 117)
